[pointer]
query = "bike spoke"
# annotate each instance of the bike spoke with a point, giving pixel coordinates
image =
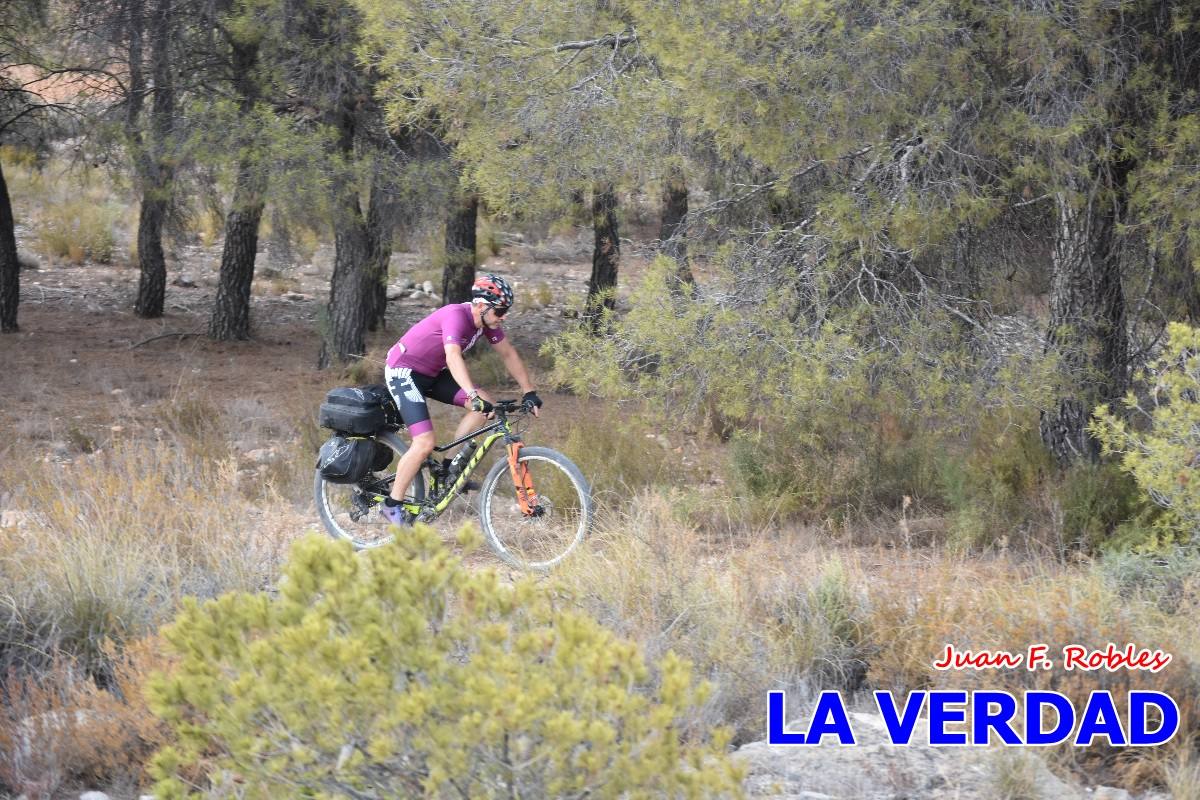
(356, 514)
(558, 518)
(351, 511)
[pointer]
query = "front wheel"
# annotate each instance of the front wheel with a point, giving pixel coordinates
(557, 520)
(350, 511)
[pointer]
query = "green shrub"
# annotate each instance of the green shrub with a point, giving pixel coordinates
(764, 468)
(1164, 458)
(15, 155)
(1095, 500)
(991, 487)
(826, 417)
(825, 626)
(79, 230)
(403, 674)
(541, 295)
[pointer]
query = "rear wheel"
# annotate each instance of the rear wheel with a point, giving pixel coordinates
(559, 517)
(350, 511)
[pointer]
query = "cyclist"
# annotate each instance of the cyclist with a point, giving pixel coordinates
(428, 362)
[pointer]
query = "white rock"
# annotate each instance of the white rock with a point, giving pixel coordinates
(427, 287)
(416, 294)
(877, 769)
(93, 796)
(1110, 793)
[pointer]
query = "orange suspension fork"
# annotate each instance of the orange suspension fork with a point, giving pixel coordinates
(522, 480)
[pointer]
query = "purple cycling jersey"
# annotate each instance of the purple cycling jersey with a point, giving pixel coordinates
(423, 348)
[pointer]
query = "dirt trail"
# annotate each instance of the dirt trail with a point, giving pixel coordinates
(83, 361)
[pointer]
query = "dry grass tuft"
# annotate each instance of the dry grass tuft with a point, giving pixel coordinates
(752, 616)
(60, 727)
(115, 540)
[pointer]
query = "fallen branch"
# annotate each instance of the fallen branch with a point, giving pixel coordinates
(181, 335)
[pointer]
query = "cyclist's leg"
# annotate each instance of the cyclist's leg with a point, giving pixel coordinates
(410, 399)
(447, 390)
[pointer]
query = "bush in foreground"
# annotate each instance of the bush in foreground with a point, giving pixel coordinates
(1162, 453)
(402, 673)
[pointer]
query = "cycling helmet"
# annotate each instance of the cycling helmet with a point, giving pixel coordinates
(493, 290)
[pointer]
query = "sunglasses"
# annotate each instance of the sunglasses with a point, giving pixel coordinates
(499, 312)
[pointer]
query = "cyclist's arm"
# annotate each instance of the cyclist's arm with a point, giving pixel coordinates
(458, 370)
(514, 364)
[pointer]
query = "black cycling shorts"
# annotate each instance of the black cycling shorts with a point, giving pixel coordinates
(409, 389)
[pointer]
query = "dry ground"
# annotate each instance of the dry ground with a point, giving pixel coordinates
(83, 370)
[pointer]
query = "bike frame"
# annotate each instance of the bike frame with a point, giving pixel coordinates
(521, 478)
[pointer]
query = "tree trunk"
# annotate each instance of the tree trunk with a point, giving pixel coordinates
(606, 255)
(157, 174)
(459, 273)
(231, 310)
(346, 334)
(381, 225)
(152, 283)
(10, 267)
(672, 233)
(1087, 319)
(347, 289)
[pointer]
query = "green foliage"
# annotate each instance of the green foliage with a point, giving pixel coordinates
(534, 98)
(79, 230)
(823, 417)
(825, 628)
(1005, 487)
(990, 488)
(403, 673)
(12, 155)
(1096, 499)
(490, 239)
(1163, 454)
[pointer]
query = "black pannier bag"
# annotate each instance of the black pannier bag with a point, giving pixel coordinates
(383, 457)
(347, 460)
(360, 411)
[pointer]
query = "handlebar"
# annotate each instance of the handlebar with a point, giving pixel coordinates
(509, 407)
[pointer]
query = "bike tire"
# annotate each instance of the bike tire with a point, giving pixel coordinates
(536, 543)
(336, 503)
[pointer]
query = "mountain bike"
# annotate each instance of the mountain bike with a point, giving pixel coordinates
(534, 504)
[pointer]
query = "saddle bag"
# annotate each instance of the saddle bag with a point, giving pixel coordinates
(360, 411)
(346, 459)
